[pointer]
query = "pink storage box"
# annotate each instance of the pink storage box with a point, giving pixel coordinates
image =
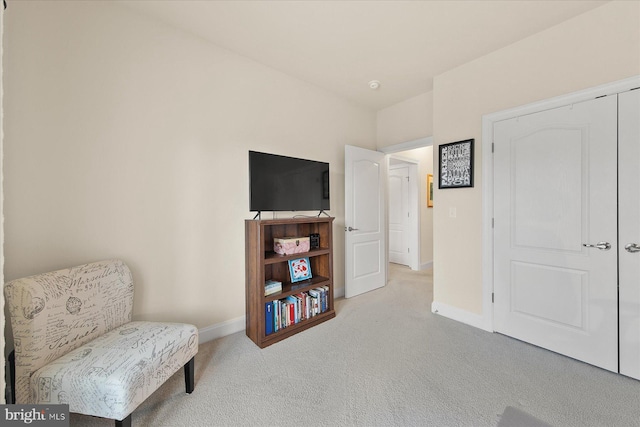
(290, 245)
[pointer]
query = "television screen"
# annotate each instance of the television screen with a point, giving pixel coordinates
(280, 183)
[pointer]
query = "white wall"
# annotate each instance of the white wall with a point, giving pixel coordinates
(128, 138)
(597, 47)
(406, 121)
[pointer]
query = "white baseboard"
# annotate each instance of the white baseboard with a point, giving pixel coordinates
(427, 265)
(338, 292)
(459, 315)
(219, 330)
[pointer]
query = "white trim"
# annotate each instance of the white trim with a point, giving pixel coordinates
(427, 265)
(338, 292)
(568, 99)
(487, 175)
(401, 159)
(459, 315)
(219, 330)
(409, 145)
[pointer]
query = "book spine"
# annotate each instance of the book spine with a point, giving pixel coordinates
(296, 309)
(292, 314)
(284, 314)
(268, 318)
(326, 297)
(322, 300)
(276, 315)
(315, 307)
(303, 305)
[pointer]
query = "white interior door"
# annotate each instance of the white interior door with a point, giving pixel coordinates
(399, 215)
(554, 191)
(629, 223)
(365, 221)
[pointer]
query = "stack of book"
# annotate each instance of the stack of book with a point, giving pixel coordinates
(295, 308)
(272, 287)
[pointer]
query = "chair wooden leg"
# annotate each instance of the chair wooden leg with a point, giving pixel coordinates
(188, 375)
(124, 423)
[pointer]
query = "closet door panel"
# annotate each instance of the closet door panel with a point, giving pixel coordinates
(629, 231)
(555, 234)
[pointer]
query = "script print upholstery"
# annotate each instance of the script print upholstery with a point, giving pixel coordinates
(110, 376)
(54, 313)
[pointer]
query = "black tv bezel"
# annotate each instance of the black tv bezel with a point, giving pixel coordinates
(321, 209)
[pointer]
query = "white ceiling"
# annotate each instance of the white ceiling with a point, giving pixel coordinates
(342, 45)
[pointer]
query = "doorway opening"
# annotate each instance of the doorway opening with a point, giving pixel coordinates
(409, 219)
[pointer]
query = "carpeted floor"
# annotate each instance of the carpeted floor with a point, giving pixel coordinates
(386, 360)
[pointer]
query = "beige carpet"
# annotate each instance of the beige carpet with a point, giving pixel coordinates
(386, 360)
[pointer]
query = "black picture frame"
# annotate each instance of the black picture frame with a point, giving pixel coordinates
(455, 164)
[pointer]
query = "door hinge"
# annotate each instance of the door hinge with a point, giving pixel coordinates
(492, 298)
(408, 250)
(492, 222)
(493, 147)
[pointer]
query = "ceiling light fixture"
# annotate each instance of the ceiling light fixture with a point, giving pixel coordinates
(374, 84)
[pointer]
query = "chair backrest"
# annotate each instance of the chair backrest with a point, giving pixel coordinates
(54, 313)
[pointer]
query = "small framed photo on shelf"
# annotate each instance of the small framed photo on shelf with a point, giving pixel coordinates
(456, 164)
(299, 269)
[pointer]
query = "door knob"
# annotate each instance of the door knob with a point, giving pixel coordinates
(632, 247)
(603, 246)
(351, 229)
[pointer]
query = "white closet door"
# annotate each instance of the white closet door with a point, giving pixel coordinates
(399, 215)
(629, 217)
(554, 192)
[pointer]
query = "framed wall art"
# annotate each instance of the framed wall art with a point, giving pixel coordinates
(430, 190)
(456, 164)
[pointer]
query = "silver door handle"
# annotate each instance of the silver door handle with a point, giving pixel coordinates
(603, 246)
(632, 248)
(351, 229)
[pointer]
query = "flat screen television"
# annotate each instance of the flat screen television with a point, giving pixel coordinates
(281, 183)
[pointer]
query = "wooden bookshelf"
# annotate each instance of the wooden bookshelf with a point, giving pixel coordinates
(263, 264)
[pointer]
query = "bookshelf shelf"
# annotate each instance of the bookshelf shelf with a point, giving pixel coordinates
(272, 257)
(263, 264)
